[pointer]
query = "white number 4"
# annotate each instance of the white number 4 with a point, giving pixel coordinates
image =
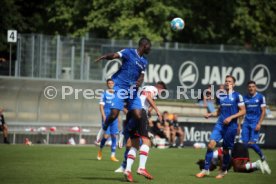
(12, 36)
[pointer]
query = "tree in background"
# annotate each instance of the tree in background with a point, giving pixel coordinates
(27, 16)
(235, 22)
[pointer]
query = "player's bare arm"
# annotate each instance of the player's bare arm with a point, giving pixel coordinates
(150, 110)
(258, 127)
(241, 112)
(153, 105)
(240, 120)
(108, 56)
(102, 112)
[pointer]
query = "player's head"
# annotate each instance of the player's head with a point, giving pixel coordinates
(229, 82)
(251, 87)
(110, 83)
(144, 45)
(160, 85)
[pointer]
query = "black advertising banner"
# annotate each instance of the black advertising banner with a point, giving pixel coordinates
(200, 133)
(195, 69)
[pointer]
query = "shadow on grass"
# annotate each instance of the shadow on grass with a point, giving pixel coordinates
(103, 178)
(95, 159)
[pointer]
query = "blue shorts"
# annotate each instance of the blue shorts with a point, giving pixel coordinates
(248, 133)
(227, 133)
(124, 95)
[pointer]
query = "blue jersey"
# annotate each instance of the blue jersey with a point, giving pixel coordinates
(132, 67)
(106, 101)
(254, 106)
(229, 105)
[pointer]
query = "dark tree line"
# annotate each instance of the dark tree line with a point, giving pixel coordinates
(235, 22)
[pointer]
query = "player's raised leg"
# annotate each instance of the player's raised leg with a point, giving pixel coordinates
(110, 118)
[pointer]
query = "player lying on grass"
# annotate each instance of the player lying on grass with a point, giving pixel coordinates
(134, 132)
(240, 160)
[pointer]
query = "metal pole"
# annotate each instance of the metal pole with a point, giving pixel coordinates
(19, 54)
(72, 62)
(32, 56)
(82, 58)
(47, 69)
(57, 56)
(10, 59)
(87, 67)
(16, 61)
(40, 54)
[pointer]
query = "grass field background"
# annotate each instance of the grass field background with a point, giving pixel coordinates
(40, 164)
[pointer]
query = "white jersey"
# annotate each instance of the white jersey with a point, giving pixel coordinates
(145, 91)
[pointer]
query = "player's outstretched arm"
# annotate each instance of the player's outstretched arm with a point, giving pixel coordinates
(108, 57)
(153, 105)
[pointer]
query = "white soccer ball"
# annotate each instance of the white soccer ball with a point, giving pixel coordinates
(177, 24)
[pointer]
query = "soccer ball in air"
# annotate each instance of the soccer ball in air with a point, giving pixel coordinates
(177, 24)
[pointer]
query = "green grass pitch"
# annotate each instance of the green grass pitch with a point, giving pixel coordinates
(40, 164)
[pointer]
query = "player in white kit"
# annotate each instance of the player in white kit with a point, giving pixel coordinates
(134, 132)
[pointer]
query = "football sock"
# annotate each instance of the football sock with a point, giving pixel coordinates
(113, 145)
(125, 158)
(208, 159)
(225, 161)
(257, 149)
(144, 150)
(215, 154)
(249, 165)
(130, 158)
(102, 143)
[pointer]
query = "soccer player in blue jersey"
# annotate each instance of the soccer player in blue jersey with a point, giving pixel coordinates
(127, 80)
(231, 107)
(255, 112)
(112, 131)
